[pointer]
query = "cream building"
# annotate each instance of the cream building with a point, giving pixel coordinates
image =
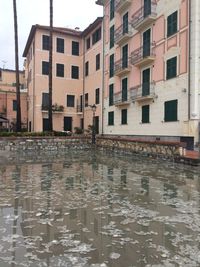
(152, 60)
(77, 78)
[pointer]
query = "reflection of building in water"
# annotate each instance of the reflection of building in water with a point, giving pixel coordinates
(101, 204)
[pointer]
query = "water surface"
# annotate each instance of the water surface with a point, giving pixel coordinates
(91, 210)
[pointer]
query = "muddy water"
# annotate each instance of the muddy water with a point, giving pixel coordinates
(95, 210)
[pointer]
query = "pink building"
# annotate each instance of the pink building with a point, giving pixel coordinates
(151, 84)
(8, 102)
(76, 77)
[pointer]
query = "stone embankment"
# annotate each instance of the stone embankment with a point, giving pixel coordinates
(159, 149)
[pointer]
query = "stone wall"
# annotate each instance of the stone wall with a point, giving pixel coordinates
(122, 145)
(168, 150)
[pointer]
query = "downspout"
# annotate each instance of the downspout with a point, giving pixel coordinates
(189, 65)
(103, 72)
(34, 89)
(83, 98)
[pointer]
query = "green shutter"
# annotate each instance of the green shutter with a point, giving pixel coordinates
(111, 118)
(111, 93)
(171, 110)
(145, 114)
(171, 67)
(172, 24)
(112, 36)
(124, 116)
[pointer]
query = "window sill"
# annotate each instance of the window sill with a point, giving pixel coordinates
(170, 121)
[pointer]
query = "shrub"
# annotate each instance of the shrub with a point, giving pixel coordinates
(78, 130)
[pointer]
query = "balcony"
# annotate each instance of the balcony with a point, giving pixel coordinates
(122, 67)
(143, 92)
(144, 55)
(123, 34)
(121, 98)
(144, 16)
(79, 109)
(55, 108)
(122, 5)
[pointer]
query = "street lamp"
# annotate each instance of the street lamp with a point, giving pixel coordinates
(93, 107)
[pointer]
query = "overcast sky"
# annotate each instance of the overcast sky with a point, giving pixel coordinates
(67, 13)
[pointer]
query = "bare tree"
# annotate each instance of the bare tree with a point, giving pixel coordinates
(50, 66)
(18, 116)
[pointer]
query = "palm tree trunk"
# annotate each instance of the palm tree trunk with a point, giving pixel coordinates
(18, 116)
(50, 66)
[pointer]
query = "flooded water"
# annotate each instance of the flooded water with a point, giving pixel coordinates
(98, 210)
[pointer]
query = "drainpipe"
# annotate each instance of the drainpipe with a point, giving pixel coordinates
(194, 63)
(103, 73)
(83, 98)
(189, 65)
(33, 127)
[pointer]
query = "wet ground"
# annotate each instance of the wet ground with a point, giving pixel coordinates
(92, 210)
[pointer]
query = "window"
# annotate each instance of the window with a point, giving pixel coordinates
(171, 68)
(14, 105)
(111, 118)
(124, 116)
(60, 70)
(124, 89)
(75, 72)
(112, 9)
(145, 114)
(86, 100)
(88, 43)
(111, 65)
(75, 48)
(111, 94)
(96, 36)
(112, 36)
(171, 110)
(45, 42)
(70, 100)
(87, 68)
(97, 94)
(172, 24)
(0, 75)
(45, 68)
(60, 45)
(97, 61)
(45, 101)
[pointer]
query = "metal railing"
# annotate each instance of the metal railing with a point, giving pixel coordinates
(121, 97)
(79, 108)
(121, 65)
(123, 30)
(144, 90)
(142, 53)
(143, 13)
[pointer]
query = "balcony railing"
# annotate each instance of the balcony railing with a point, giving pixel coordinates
(143, 92)
(79, 108)
(55, 108)
(121, 98)
(121, 5)
(123, 33)
(143, 55)
(122, 66)
(144, 16)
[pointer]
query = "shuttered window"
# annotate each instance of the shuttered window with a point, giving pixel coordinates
(171, 110)
(145, 114)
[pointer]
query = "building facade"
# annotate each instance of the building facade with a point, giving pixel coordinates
(8, 102)
(152, 60)
(76, 77)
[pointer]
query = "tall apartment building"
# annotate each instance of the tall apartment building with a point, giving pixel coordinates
(152, 61)
(8, 102)
(77, 79)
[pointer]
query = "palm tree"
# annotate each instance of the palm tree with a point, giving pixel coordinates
(18, 116)
(50, 66)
